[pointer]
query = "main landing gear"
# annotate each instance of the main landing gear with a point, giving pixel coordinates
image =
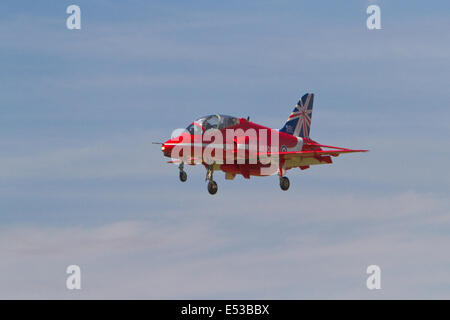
(212, 185)
(284, 183)
(183, 174)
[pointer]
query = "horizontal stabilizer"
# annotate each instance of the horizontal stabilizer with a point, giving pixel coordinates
(311, 153)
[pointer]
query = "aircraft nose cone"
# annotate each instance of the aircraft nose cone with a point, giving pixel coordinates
(166, 148)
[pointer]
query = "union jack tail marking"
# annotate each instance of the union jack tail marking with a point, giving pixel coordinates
(299, 121)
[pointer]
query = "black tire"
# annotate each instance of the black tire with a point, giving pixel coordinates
(212, 187)
(183, 176)
(284, 183)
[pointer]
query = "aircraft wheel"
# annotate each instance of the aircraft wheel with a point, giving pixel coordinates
(183, 176)
(212, 187)
(284, 183)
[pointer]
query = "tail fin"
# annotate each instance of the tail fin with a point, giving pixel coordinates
(299, 122)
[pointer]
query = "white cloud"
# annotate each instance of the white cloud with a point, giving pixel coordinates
(316, 249)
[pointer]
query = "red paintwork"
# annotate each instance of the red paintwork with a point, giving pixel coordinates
(310, 148)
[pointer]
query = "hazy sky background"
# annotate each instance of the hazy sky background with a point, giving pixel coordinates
(81, 183)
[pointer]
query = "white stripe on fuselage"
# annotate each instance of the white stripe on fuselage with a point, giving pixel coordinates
(297, 147)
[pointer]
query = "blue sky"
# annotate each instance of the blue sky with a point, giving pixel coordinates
(81, 183)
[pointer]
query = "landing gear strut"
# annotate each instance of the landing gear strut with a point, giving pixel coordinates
(212, 185)
(183, 174)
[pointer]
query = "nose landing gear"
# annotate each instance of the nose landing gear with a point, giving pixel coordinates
(183, 174)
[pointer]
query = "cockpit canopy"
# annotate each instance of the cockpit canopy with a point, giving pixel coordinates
(214, 121)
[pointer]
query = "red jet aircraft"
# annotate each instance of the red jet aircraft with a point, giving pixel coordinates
(238, 146)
